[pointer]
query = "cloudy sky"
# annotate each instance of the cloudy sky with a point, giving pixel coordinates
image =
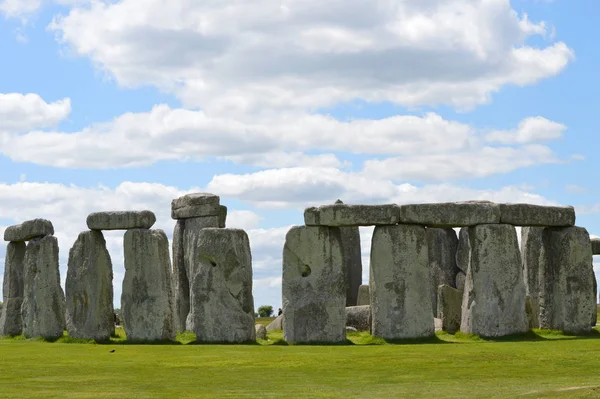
(276, 105)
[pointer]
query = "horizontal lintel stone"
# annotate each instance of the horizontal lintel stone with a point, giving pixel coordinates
(196, 205)
(537, 215)
(28, 230)
(451, 214)
(121, 220)
(351, 215)
(595, 246)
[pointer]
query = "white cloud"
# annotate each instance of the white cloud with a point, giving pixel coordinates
(529, 130)
(23, 112)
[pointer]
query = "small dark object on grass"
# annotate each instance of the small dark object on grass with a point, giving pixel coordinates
(112, 351)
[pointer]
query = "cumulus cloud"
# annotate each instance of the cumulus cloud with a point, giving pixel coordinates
(23, 112)
(529, 130)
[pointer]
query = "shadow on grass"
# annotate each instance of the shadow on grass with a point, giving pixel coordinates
(246, 343)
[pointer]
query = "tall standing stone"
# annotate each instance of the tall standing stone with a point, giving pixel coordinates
(89, 288)
(463, 250)
(222, 306)
(441, 245)
(531, 247)
(449, 308)
(364, 298)
(181, 285)
(352, 261)
(147, 297)
(43, 308)
(399, 283)
(567, 301)
(12, 289)
(313, 287)
(494, 297)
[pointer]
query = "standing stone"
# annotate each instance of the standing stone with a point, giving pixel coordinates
(359, 317)
(449, 308)
(461, 277)
(222, 216)
(352, 261)
(261, 332)
(146, 299)
(567, 301)
(43, 308)
(89, 289)
(276, 324)
(222, 306)
(12, 290)
(314, 288)
(595, 291)
(364, 297)
(531, 247)
(494, 298)
(441, 245)
(181, 285)
(463, 250)
(399, 283)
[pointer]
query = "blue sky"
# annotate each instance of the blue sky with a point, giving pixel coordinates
(279, 105)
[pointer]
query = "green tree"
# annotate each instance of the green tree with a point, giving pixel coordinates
(265, 311)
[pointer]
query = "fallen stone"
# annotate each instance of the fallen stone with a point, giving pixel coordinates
(537, 215)
(463, 250)
(461, 277)
(352, 262)
(399, 283)
(494, 297)
(43, 308)
(222, 305)
(442, 245)
(363, 295)
(314, 288)
(449, 308)
(121, 220)
(196, 205)
(276, 325)
(89, 288)
(181, 284)
(222, 216)
(595, 246)
(566, 299)
(359, 317)
(351, 215)
(531, 247)
(261, 332)
(12, 290)
(146, 298)
(450, 214)
(28, 230)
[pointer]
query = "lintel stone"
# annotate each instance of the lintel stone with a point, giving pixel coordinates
(595, 246)
(196, 205)
(121, 220)
(537, 215)
(451, 214)
(338, 215)
(28, 230)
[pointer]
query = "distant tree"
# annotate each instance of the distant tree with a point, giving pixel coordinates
(265, 311)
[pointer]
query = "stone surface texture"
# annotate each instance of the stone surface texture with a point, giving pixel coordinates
(181, 284)
(449, 308)
(260, 332)
(359, 317)
(12, 289)
(314, 288)
(595, 246)
(399, 283)
(351, 215)
(196, 205)
(531, 247)
(146, 299)
(450, 214)
(463, 250)
(441, 245)
(352, 262)
(222, 216)
(121, 220)
(566, 299)
(537, 215)
(28, 230)
(494, 298)
(43, 308)
(364, 298)
(461, 278)
(222, 305)
(276, 325)
(89, 288)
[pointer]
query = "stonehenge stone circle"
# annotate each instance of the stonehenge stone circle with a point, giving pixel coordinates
(566, 297)
(536, 215)
(494, 295)
(222, 305)
(29, 230)
(120, 220)
(359, 317)
(313, 288)
(450, 214)
(43, 308)
(352, 261)
(12, 289)
(146, 299)
(364, 298)
(449, 307)
(351, 215)
(441, 245)
(89, 288)
(197, 205)
(531, 247)
(399, 283)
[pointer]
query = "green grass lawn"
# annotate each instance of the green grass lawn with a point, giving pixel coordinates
(539, 365)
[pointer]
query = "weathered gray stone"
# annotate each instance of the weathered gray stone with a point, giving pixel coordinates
(181, 284)
(350, 329)
(352, 261)
(364, 298)
(89, 289)
(222, 306)
(449, 308)
(438, 325)
(533, 311)
(450, 214)
(442, 245)
(121, 220)
(531, 247)
(537, 215)
(147, 299)
(351, 215)
(595, 291)
(314, 288)
(191, 260)
(43, 307)
(276, 325)
(461, 277)
(566, 297)
(463, 250)
(12, 289)
(359, 317)
(399, 283)
(261, 332)
(595, 246)
(196, 205)
(28, 230)
(222, 216)
(494, 297)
